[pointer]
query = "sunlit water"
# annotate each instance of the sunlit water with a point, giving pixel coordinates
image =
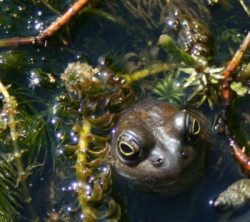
(85, 39)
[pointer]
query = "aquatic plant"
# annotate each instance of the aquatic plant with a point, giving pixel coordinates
(104, 96)
(203, 80)
(15, 174)
(10, 197)
(169, 45)
(25, 139)
(245, 7)
(92, 100)
(170, 89)
(93, 175)
(205, 85)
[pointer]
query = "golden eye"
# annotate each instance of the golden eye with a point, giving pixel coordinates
(128, 147)
(193, 128)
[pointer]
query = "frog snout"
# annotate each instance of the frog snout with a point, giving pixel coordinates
(156, 161)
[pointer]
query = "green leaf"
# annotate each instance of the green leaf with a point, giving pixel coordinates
(239, 88)
(9, 194)
(169, 90)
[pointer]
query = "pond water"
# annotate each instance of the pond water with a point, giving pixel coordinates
(131, 44)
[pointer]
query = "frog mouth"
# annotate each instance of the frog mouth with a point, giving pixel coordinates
(159, 180)
(170, 187)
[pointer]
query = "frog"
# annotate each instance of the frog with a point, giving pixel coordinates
(160, 147)
(155, 145)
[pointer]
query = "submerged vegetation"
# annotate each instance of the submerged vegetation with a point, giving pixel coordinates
(57, 115)
(170, 89)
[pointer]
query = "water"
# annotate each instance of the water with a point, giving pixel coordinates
(194, 204)
(86, 38)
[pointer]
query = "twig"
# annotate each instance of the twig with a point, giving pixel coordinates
(238, 152)
(61, 21)
(233, 64)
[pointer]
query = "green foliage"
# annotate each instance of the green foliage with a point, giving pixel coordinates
(169, 45)
(239, 88)
(11, 62)
(170, 90)
(9, 193)
(35, 134)
(38, 137)
(204, 85)
(25, 138)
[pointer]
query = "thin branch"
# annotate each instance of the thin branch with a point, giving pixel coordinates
(233, 64)
(39, 39)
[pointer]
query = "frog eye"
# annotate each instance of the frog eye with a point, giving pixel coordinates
(128, 147)
(193, 128)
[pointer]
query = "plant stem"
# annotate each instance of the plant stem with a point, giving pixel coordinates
(12, 105)
(50, 7)
(82, 173)
(107, 16)
(168, 44)
(245, 7)
(150, 70)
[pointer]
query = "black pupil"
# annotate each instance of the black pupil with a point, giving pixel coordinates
(125, 148)
(195, 127)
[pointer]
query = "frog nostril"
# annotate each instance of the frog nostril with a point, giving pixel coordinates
(184, 154)
(157, 161)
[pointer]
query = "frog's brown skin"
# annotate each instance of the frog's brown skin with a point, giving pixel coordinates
(169, 157)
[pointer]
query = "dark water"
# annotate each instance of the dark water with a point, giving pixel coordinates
(86, 38)
(194, 204)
